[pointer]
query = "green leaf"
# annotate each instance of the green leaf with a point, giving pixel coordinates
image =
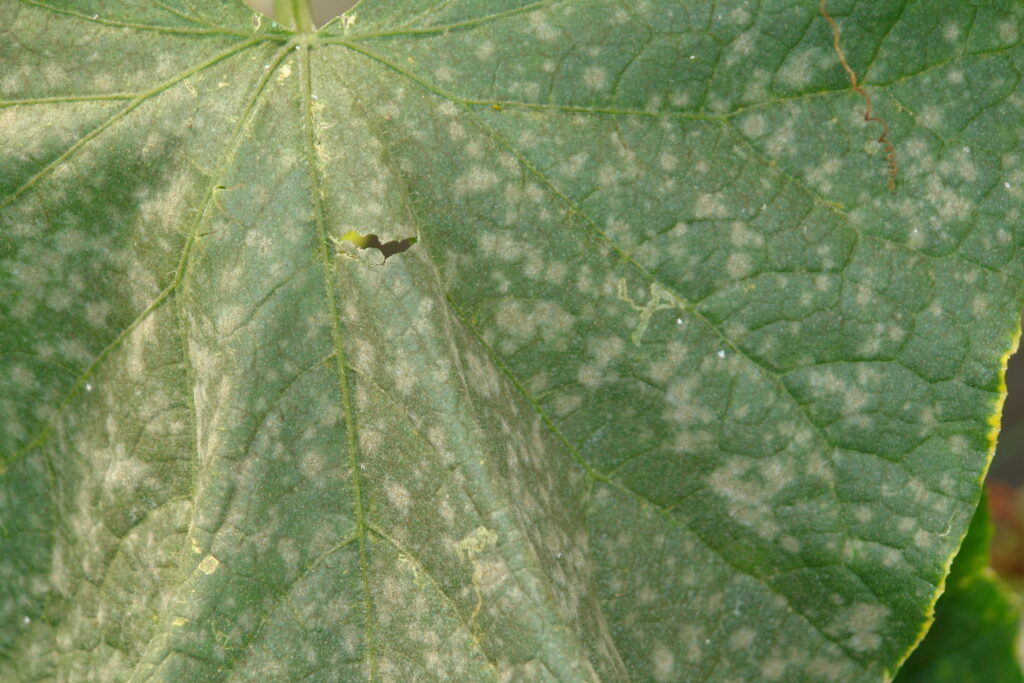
(973, 637)
(670, 385)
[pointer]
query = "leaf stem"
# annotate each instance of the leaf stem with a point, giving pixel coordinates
(294, 14)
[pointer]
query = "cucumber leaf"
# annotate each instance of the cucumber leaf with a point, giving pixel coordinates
(672, 371)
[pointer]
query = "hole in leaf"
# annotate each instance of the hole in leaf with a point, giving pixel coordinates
(373, 242)
(323, 10)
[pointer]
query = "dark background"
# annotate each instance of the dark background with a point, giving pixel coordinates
(323, 10)
(1008, 466)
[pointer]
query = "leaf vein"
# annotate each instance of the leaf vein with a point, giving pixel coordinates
(120, 114)
(138, 27)
(330, 277)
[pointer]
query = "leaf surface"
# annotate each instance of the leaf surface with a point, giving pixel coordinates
(669, 387)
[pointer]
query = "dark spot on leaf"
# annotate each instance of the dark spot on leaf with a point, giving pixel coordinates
(373, 242)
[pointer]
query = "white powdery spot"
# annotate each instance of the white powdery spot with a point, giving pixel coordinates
(313, 465)
(23, 377)
(742, 46)
(136, 346)
(595, 77)
(685, 405)
(773, 669)
(478, 179)
(748, 493)
(822, 175)
(742, 639)
(399, 497)
(96, 313)
(540, 27)
(931, 117)
(739, 265)
(485, 50)
(753, 126)
(663, 663)
(863, 622)
(797, 72)
(565, 404)
(710, 206)
(1008, 33)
